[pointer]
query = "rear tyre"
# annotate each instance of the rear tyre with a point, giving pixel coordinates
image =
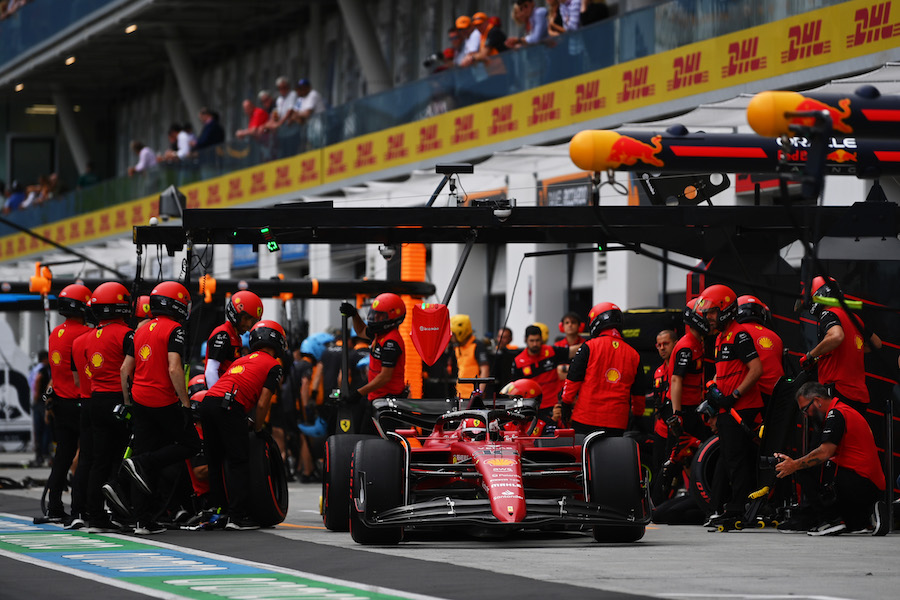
(703, 472)
(376, 484)
(268, 482)
(336, 480)
(614, 472)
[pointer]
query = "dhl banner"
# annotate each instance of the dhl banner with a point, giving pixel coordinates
(828, 35)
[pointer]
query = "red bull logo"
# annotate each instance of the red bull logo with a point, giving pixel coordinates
(601, 150)
(837, 115)
(771, 114)
(841, 156)
(628, 151)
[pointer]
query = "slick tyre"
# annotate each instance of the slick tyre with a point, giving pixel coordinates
(336, 480)
(268, 482)
(703, 472)
(613, 469)
(376, 484)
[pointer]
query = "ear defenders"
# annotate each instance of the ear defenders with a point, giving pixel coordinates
(572, 316)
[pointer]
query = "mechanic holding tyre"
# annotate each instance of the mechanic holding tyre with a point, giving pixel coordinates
(243, 391)
(387, 363)
(605, 377)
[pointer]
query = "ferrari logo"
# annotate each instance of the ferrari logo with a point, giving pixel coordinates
(146, 307)
(61, 332)
(615, 345)
(153, 325)
(145, 352)
(97, 360)
(254, 355)
(236, 370)
(728, 337)
(345, 425)
(509, 509)
(99, 333)
(55, 357)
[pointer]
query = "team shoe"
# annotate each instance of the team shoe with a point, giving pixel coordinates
(796, 524)
(242, 524)
(711, 521)
(111, 493)
(834, 527)
(75, 522)
(137, 474)
(52, 517)
(881, 519)
(103, 525)
(148, 528)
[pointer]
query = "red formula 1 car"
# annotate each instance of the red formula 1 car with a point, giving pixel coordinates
(482, 468)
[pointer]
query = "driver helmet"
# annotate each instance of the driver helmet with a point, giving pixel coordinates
(472, 430)
(523, 388)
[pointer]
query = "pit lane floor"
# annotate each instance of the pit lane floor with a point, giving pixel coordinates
(676, 562)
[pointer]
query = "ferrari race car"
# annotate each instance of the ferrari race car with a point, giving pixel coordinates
(436, 467)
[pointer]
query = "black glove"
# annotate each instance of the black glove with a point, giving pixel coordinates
(675, 424)
(566, 412)
(348, 310)
(122, 412)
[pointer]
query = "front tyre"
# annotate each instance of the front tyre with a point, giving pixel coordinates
(376, 484)
(614, 472)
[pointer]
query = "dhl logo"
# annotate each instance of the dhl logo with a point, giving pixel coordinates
(258, 182)
(235, 189)
(873, 25)
(464, 129)
(743, 58)
(89, 228)
(805, 41)
(365, 154)
(282, 176)
(137, 214)
(212, 194)
(428, 139)
(74, 230)
(308, 170)
(635, 86)
(543, 109)
(193, 198)
(502, 120)
(687, 72)
(336, 164)
(396, 147)
(587, 98)
(121, 221)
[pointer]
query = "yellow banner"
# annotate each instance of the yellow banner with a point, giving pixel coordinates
(813, 39)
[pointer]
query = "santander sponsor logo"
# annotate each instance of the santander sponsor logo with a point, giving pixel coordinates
(423, 328)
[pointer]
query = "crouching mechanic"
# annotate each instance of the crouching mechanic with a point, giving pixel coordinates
(604, 377)
(244, 390)
(858, 480)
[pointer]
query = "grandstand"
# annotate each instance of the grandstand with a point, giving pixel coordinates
(80, 79)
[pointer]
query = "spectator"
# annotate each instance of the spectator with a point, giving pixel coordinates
(47, 188)
(535, 21)
(88, 178)
(212, 133)
(179, 144)
(570, 10)
(15, 198)
(284, 104)
(471, 37)
(146, 158)
(309, 102)
(555, 25)
(593, 11)
(493, 39)
(447, 57)
(257, 119)
(266, 101)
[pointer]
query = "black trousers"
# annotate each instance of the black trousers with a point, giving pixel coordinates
(110, 437)
(225, 443)
(85, 460)
(162, 437)
(66, 428)
(738, 453)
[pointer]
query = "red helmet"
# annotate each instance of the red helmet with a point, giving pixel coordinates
(472, 429)
(752, 310)
(523, 388)
(605, 315)
(720, 297)
(142, 309)
(171, 299)
(111, 300)
(387, 312)
(269, 334)
(72, 300)
(198, 396)
(824, 287)
(693, 318)
(243, 303)
(195, 384)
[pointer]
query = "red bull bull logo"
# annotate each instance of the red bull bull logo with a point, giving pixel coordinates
(841, 156)
(771, 114)
(837, 115)
(601, 150)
